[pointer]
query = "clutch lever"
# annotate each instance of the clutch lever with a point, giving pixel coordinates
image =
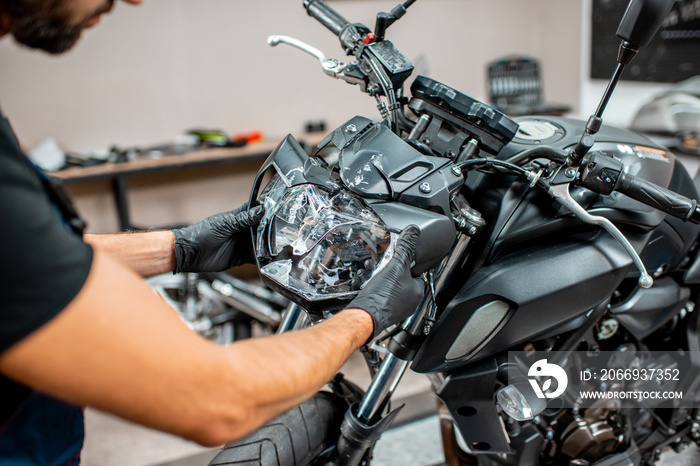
(330, 66)
(561, 193)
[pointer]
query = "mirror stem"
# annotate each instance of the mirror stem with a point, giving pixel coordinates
(625, 55)
(608, 92)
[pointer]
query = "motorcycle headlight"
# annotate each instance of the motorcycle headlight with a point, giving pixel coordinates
(319, 245)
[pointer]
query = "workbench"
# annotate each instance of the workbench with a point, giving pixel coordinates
(118, 174)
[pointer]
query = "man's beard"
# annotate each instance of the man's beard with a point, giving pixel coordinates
(47, 34)
(43, 28)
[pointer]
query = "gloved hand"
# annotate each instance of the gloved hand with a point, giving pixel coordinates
(393, 294)
(218, 242)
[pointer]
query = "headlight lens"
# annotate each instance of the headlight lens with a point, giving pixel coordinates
(318, 244)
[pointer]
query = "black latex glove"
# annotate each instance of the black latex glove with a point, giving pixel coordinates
(218, 242)
(393, 295)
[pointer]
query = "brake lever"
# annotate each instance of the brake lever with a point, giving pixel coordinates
(330, 66)
(560, 192)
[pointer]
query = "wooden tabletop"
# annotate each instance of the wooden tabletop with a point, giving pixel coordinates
(211, 156)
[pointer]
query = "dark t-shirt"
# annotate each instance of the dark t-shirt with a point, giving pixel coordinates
(43, 266)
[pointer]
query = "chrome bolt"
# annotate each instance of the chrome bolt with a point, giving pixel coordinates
(331, 63)
(456, 171)
(570, 172)
(351, 129)
(424, 188)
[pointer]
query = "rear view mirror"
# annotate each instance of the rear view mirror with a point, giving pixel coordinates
(642, 20)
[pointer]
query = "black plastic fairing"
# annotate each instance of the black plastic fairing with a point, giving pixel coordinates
(469, 396)
(347, 132)
(438, 232)
(647, 310)
(291, 161)
(288, 157)
(377, 164)
(546, 286)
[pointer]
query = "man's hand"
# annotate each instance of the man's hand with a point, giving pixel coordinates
(218, 242)
(394, 293)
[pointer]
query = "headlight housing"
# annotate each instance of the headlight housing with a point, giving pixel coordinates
(318, 245)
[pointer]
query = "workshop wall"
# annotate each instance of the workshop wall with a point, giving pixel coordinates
(151, 72)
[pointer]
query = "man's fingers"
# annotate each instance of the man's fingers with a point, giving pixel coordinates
(251, 217)
(236, 220)
(407, 244)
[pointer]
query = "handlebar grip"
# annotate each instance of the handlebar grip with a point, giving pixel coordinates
(659, 198)
(326, 15)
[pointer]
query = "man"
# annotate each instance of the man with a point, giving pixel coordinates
(78, 327)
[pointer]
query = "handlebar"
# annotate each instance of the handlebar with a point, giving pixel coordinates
(326, 15)
(659, 198)
(603, 175)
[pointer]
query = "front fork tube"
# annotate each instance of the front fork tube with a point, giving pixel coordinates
(294, 318)
(390, 371)
(363, 425)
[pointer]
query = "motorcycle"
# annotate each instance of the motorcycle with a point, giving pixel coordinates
(560, 259)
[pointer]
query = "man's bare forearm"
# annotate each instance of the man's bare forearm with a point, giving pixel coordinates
(146, 253)
(296, 364)
(119, 348)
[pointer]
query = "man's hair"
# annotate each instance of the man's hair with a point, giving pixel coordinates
(28, 8)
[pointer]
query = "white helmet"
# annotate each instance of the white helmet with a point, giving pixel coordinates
(674, 113)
